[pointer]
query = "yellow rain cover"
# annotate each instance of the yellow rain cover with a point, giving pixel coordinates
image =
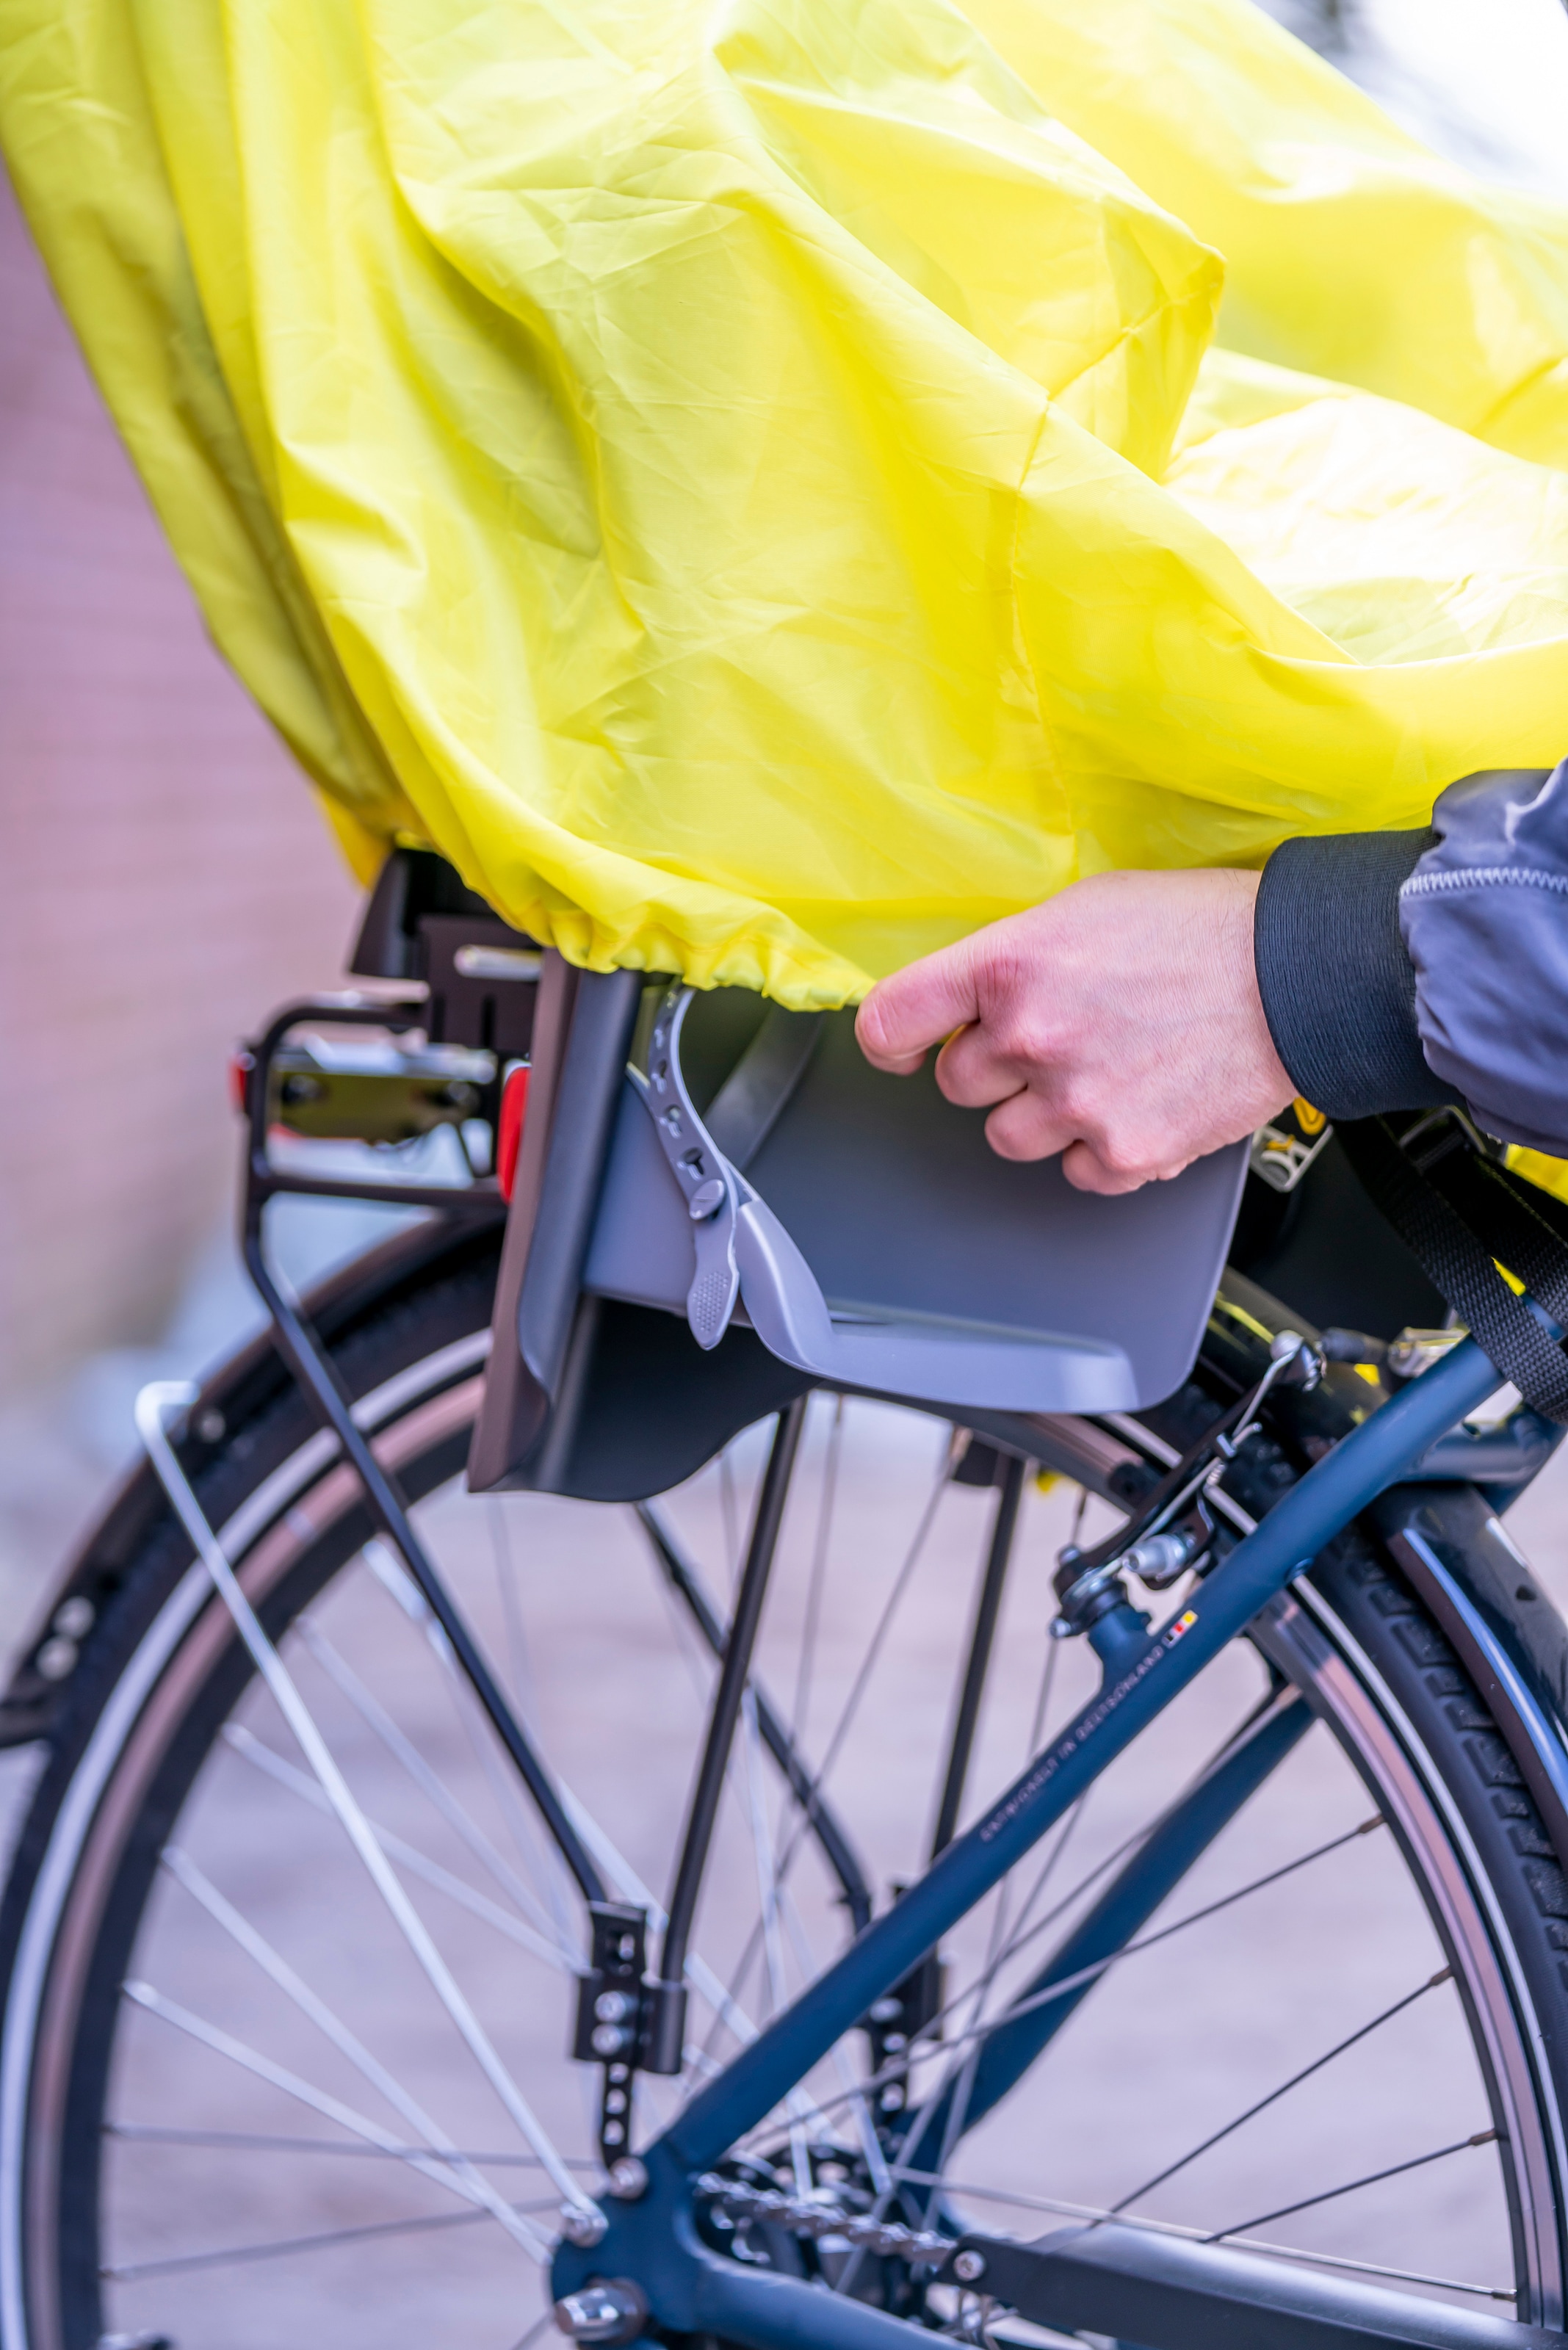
(766, 486)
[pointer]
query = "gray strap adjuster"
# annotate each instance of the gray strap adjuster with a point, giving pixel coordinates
(711, 1189)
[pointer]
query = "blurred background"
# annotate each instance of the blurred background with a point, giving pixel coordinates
(169, 879)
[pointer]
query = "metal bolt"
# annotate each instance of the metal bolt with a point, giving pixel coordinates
(602, 2313)
(614, 2006)
(74, 1617)
(627, 2178)
(1160, 1559)
(608, 2040)
(56, 1659)
(583, 2224)
(705, 1199)
(968, 2267)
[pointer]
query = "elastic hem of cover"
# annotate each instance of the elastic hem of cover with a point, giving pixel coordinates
(1338, 989)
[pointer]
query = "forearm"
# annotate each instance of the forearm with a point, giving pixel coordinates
(1403, 969)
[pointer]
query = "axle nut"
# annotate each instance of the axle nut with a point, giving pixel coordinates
(611, 2309)
(968, 2267)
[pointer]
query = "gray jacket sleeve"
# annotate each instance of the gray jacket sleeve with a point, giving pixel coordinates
(1399, 970)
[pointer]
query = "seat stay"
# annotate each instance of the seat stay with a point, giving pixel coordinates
(1151, 1873)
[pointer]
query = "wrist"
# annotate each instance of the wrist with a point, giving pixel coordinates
(1336, 987)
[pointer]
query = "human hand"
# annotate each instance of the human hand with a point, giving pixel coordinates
(1120, 1023)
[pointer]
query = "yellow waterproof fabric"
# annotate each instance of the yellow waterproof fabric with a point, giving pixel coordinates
(766, 487)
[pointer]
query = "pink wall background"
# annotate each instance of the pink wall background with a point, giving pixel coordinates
(164, 875)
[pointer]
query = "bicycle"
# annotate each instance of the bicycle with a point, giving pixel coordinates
(1288, 1667)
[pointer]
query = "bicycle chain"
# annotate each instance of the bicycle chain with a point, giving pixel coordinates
(801, 2217)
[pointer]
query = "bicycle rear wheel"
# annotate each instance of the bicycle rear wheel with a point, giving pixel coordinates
(233, 2105)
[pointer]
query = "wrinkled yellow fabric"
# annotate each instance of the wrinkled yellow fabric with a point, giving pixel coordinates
(767, 488)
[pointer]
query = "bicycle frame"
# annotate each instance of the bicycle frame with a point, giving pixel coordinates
(654, 2240)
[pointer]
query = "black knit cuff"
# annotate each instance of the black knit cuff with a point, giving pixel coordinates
(1338, 988)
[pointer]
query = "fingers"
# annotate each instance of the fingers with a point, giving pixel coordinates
(1086, 1170)
(1026, 1127)
(974, 1071)
(905, 1014)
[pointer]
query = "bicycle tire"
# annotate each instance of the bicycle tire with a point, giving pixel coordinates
(409, 1326)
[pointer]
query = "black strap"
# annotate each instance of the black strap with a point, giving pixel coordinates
(1457, 1210)
(758, 1089)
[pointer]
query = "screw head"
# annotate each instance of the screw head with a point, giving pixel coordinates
(968, 2267)
(583, 2224)
(706, 1198)
(608, 2039)
(627, 2178)
(74, 1617)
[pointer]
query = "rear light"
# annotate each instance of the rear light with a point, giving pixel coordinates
(509, 1129)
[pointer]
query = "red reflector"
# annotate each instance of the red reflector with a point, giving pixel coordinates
(509, 1131)
(241, 1064)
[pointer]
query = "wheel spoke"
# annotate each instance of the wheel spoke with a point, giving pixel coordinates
(1031, 1746)
(333, 2109)
(1353, 2186)
(375, 1716)
(287, 2247)
(1022, 1935)
(1057, 2206)
(1101, 1967)
(816, 1579)
(240, 1931)
(1364, 2031)
(271, 2142)
(542, 1857)
(851, 1706)
(1088, 1974)
(254, 1750)
(150, 1407)
(804, 1807)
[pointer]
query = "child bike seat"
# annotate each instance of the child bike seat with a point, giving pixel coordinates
(863, 1227)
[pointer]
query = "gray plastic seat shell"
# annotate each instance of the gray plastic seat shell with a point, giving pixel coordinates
(887, 1247)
